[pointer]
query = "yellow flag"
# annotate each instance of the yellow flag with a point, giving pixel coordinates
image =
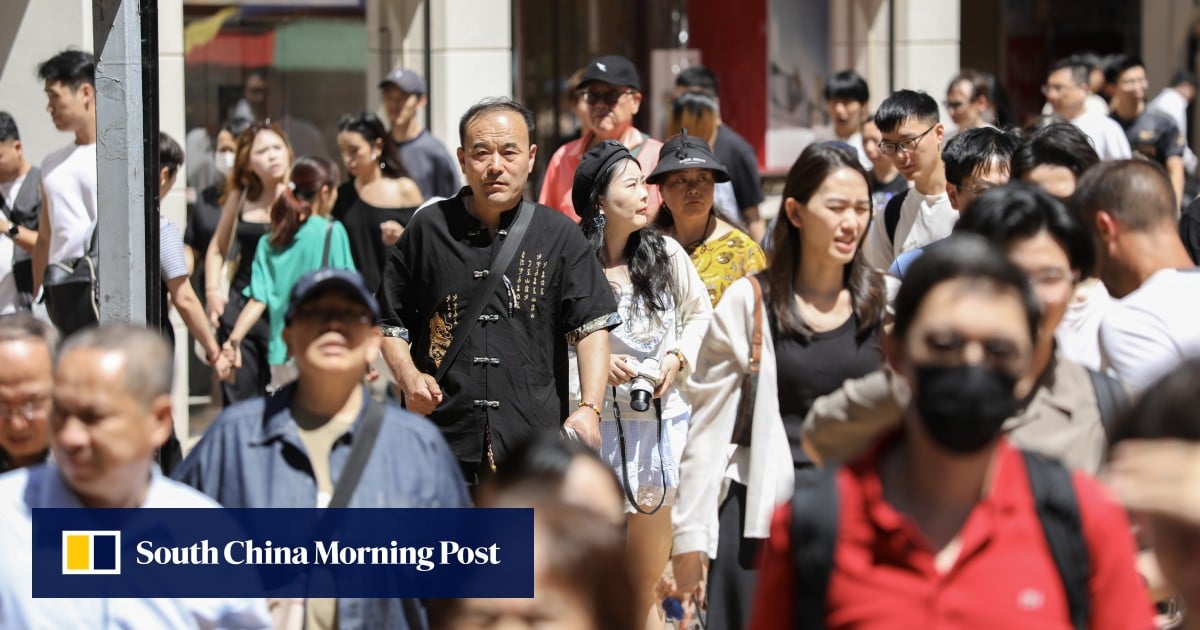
(203, 31)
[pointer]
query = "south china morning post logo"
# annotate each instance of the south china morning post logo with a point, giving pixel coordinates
(91, 552)
(283, 552)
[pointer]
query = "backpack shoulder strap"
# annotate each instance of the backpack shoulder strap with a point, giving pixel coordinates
(813, 535)
(891, 215)
(1111, 397)
(1058, 511)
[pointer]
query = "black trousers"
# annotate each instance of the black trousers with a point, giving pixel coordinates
(733, 574)
(250, 380)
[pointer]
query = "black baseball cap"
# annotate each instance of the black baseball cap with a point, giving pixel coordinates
(597, 160)
(316, 283)
(612, 69)
(683, 152)
(408, 81)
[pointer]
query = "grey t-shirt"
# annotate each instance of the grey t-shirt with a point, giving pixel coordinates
(429, 164)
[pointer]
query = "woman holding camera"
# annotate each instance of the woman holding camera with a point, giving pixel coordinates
(820, 321)
(665, 310)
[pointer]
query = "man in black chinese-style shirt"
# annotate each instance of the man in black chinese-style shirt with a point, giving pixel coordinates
(509, 379)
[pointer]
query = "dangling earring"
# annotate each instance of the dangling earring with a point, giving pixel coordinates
(599, 221)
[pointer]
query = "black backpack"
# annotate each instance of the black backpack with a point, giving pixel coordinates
(815, 524)
(891, 215)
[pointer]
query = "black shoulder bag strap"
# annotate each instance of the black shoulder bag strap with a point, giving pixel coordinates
(360, 452)
(813, 536)
(891, 215)
(325, 252)
(479, 299)
(1111, 398)
(1058, 510)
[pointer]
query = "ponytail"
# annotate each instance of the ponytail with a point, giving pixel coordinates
(309, 175)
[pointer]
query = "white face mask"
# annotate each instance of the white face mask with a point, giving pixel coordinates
(223, 161)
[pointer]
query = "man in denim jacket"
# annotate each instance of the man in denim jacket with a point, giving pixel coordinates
(288, 451)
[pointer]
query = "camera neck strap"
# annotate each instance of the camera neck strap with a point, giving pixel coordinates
(662, 468)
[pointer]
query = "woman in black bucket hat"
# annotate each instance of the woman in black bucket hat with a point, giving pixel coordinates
(687, 175)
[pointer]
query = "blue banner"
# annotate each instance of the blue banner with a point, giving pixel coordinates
(283, 553)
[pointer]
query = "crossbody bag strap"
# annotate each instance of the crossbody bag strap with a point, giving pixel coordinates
(360, 452)
(479, 299)
(325, 252)
(741, 428)
(237, 216)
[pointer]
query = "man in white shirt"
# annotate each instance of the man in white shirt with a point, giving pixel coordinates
(20, 205)
(69, 174)
(846, 96)
(1173, 101)
(1130, 208)
(912, 139)
(1066, 91)
(111, 411)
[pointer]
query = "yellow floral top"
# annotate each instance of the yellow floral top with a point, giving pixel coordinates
(721, 261)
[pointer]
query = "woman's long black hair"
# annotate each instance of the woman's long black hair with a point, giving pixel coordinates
(867, 294)
(371, 129)
(645, 254)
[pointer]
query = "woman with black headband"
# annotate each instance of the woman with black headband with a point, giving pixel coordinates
(665, 310)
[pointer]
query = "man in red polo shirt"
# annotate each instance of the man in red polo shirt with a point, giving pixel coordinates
(938, 526)
(612, 95)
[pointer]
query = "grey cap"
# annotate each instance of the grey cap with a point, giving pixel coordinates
(408, 81)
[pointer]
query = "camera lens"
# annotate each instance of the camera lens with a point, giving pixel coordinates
(639, 399)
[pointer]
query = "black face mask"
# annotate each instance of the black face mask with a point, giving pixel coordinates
(963, 407)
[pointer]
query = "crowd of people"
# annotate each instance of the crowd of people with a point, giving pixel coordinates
(949, 384)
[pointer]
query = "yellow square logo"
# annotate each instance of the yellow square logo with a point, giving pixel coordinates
(91, 552)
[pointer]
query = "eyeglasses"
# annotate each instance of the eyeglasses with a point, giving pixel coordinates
(608, 97)
(343, 317)
(904, 146)
(30, 410)
(998, 352)
(978, 189)
(1054, 88)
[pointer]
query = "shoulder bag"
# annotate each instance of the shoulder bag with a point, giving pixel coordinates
(70, 292)
(745, 416)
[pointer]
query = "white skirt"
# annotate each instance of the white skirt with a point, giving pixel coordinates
(652, 474)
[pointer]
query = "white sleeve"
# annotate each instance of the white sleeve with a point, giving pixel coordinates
(1118, 142)
(713, 390)
(878, 250)
(1136, 348)
(692, 306)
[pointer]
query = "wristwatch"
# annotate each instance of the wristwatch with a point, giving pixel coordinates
(14, 230)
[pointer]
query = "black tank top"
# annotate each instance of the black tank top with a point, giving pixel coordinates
(806, 370)
(361, 221)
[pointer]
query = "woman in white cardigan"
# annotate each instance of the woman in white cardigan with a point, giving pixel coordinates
(665, 309)
(823, 312)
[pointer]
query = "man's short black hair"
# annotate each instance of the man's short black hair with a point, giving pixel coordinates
(901, 106)
(69, 67)
(698, 78)
(1184, 76)
(1078, 66)
(1118, 65)
(489, 105)
(170, 155)
(962, 257)
(8, 128)
(847, 84)
(1056, 144)
(1021, 211)
(974, 150)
